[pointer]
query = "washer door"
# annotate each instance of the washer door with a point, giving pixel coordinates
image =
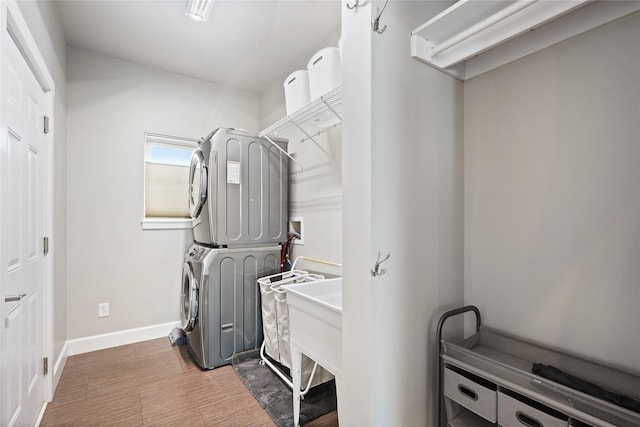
(198, 179)
(189, 298)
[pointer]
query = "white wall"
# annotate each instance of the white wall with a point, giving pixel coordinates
(315, 194)
(111, 104)
(552, 206)
(403, 194)
(45, 29)
(354, 399)
(272, 107)
(316, 197)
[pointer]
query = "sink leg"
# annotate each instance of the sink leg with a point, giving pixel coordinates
(296, 376)
(339, 395)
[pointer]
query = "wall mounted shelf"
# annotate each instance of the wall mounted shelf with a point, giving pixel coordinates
(475, 36)
(310, 121)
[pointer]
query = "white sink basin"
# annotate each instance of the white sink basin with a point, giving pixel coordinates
(326, 293)
(315, 329)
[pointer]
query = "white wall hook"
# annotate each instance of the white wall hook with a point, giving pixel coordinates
(377, 271)
(355, 5)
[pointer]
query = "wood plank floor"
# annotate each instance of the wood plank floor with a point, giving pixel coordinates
(153, 384)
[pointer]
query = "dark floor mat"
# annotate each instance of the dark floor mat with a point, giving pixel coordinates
(276, 397)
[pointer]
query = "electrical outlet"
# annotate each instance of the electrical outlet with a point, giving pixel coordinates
(103, 309)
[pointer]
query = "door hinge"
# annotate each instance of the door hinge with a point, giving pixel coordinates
(45, 245)
(46, 124)
(45, 366)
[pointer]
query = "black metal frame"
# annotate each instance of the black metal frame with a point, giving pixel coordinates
(446, 315)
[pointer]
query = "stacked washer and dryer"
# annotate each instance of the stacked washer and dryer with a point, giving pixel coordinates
(238, 198)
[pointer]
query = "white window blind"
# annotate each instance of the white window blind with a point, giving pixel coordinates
(167, 160)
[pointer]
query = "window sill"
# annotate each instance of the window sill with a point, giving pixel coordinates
(166, 223)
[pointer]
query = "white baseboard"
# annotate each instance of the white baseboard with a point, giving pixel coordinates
(59, 365)
(41, 414)
(115, 339)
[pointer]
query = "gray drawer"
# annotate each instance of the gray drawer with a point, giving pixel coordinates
(513, 412)
(470, 391)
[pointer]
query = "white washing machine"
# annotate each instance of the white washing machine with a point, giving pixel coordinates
(238, 190)
(221, 309)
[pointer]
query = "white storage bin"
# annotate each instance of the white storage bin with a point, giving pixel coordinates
(470, 394)
(325, 72)
(296, 91)
(512, 412)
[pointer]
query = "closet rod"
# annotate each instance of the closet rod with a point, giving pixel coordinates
(483, 25)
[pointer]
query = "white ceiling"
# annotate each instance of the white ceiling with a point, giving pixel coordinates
(247, 44)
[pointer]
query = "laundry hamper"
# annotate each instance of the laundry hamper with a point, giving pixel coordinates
(275, 325)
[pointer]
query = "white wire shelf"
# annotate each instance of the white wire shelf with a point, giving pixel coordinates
(308, 122)
(308, 115)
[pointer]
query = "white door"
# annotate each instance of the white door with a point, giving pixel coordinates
(22, 213)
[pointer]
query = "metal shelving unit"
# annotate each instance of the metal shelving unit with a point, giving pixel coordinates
(488, 379)
(310, 121)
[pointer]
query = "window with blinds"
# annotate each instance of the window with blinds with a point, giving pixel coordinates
(166, 175)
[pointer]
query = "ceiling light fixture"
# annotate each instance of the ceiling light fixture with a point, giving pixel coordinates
(199, 10)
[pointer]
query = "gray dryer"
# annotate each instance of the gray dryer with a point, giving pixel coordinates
(238, 190)
(221, 310)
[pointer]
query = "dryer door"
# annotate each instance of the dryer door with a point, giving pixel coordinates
(189, 298)
(197, 183)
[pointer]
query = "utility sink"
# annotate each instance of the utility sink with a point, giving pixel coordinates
(325, 293)
(315, 329)
(315, 321)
